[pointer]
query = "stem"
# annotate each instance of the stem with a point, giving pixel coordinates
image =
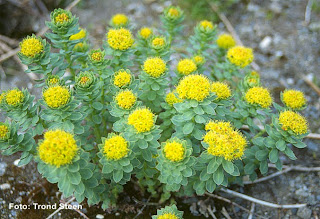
(104, 124)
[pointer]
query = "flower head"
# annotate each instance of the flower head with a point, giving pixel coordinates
(31, 46)
(173, 12)
(56, 96)
(85, 79)
(115, 147)
(226, 41)
(222, 90)
(293, 121)
(61, 18)
(240, 56)
(174, 150)
(172, 99)
(145, 32)
(158, 42)
(167, 216)
(125, 99)
(58, 148)
(206, 25)
(224, 141)
(199, 60)
(122, 78)
(194, 87)
(260, 96)
(52, 80)
(119, 20)
(120, 39)
(142, 119)
(14, 97)
(4, 131)
(186, 66)
(96, 56)
(293, 99)
(80, 35)
(154, 67)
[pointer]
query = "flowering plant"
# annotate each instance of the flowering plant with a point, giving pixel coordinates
(125, 112)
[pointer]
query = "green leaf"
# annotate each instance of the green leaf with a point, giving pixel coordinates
(300, 144)
(187, 128)
(290, 153)
(236, 171)
(228, 166)
(86, 173)
(107, 168)
(117, 175)
(187, 172)
(142, 144)
(124, 162)
(75, 116)
(249, 168)
(74, 167)
(210, 186)
(273, 155)
(263, 167)
(198, 110)
(209, 110)
(204, 176)
(97, 105)
(218, 176)
(261, 155)
(146, 154)
(194, 103)
(200, 120)
(75, 178)
(281, 145)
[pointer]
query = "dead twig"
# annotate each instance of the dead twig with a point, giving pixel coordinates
(251, 211)
(140, 211)
(77, 210)
(225, 213)
(60, 208)
(307, 14)
(8, 40)
(145, 203)
(261, 202)
(211, 212)
(297, 168)
(312, 85)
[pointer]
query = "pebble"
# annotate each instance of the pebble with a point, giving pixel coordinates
(99, 216)
(5, 186)
(3, 167)
(265, 43)
(304, 212)
(16, 162)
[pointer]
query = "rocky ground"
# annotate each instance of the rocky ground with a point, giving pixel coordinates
(286, 49)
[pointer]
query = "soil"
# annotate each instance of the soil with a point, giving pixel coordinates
(286, 49)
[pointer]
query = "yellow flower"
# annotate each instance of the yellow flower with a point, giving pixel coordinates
(174, 151)
(158, 42)
(142, 119)
(207, 25)
(224, 141)
(119, 20)
(254, 73)
(194, 87)
(172, 99)
(120, 39)
(96, 56)
(240, 56)
(294, 122)
(79, 46)
(225, 41)
(293, 99)
(4, 131)
(83, 80)
(53, 81)
(31, 46)
(199, 60)
(121, 78)
(260, 96)
(174, 12)
(115, 147)
(154, 67)
(186, 66)
(80, 35)
(145, 32)
(14, 97)
(58, 148)
(56, 96)
(61, 18)
(222, 90)
(125, 99)
(167, 216)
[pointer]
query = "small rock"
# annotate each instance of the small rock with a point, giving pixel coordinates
(302, 192)
(290, 81)
(117, 214)
(275, 7)
(304, 212)
(16, 162)
(3, 167)
(99, 216)
(253, 8)
(5, 186)
(265, 43)
(315, 26)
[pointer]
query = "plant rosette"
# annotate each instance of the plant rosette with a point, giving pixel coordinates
(117, 158)
(159, 47)
(123, 79)
(174, 161)
(172, 18)
(171, 212)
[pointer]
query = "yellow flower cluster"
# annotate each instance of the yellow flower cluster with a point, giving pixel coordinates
(53, 81)
(142, 119)
(224, 141)
(56, 96)
(96, 56)
(294, 122)
(120, 39)
(207, 25)
(145, 32)
(125, 99)
(194, 87)
(240, 56)
(80, 35)
(260, 96)
(173, 12)
(186, 66)
(31, 46)
(172, 99)
(158, 42)
(83, 80)
(226, 41)
(167, 216)
(119, 20)
(222, 90)
(58, 148)
(154, 67)
(199, 60)
(293, 99)
(14, 97)
(115, 147)
(121, 78)
(61, 18)
(174, 151)
(4, 130)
